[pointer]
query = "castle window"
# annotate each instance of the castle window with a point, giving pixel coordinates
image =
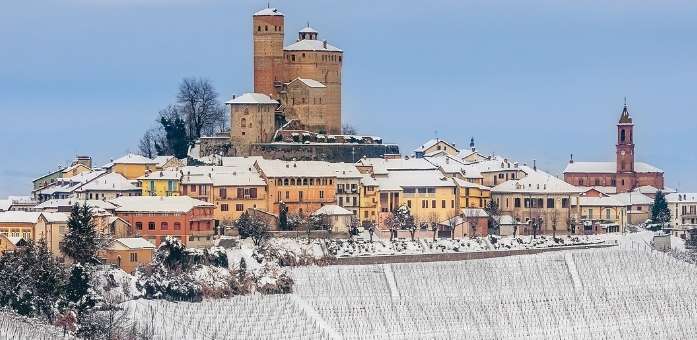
(597, 181)
(622, 135)
(339, 58)
(580, 181)
(250, 124)
(243, 122)
(258, 28)
(266, 27)
(303, 100)
(303, 55)
(292, 57)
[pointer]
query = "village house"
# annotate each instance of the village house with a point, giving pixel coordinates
(128, 253)
(236, 191)
(303, 186)
(107, 186)
(154, 218)
(348, 182)
(638, 206)
(168, 163)
(160, 183)
(536, 196)
(66, 187)
(435, 146)
(132, 166)
(470, 222)
(369, 189)
(683, 213)
(336, 217)
(80, 164)
(18, 224)
(197, 182)
(599, 214)
(52, 228)
(471, 195)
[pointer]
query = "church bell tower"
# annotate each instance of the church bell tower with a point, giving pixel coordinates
(625, 151)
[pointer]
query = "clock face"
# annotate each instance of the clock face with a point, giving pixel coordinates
(622, 153)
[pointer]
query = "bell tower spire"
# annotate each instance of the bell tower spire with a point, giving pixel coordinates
(625, 150)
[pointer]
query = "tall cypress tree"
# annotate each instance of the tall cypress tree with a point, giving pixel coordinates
(81, 241)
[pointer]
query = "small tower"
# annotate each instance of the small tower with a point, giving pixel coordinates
(268, 50)
(308, 33)
(472, 145)
(625, 151)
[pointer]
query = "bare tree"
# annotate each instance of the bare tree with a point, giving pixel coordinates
(432, 221)
(199, 105)
(554, 218)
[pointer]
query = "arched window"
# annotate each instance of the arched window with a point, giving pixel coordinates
(266, 28)
(622, 135)
(285, 181)
(243, 123)
(258, 28)
(292, 181)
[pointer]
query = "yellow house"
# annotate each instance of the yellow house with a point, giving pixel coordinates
(436, 146)
(160, 183)
(599, 215)
(368, 210)
(471, 195)
(52, 228)
(129, 253)
(430, 196)
(304, 186)
(18, 224)
(133, 166)
(197, 181)
(234, 192)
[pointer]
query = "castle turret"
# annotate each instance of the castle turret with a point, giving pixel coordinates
(268, 50)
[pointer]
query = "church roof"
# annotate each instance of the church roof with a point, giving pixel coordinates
(607, 167)
(252, 98)
(311, 45)
(268, 12)
(625, 118)
(536, 182)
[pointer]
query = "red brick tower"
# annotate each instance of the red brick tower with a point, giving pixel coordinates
(268, 50)
(625, 152)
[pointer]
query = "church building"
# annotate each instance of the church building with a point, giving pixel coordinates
(624, 174)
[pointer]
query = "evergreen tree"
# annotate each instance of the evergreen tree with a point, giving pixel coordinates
(81, 241)
(78, 288)
(492, 209)
(660, 213)
(175, 133)
(283, 216)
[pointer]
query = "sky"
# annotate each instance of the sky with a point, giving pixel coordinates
(531, 80)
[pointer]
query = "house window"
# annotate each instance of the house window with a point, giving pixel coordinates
(151, 225)
(321, 194)
(433, 204)
(139, 225)
(442, 204)
(550, 203)
(239, 207)
(516, 203)
(223, 207)
(300, 196)
(564, 202)
(133, 257)
(223, 193)
(287, 195)
(177, 226)
(164, 226)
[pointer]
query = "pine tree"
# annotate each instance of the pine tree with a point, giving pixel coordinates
(77, 290)
(81, 241)
(660, 213)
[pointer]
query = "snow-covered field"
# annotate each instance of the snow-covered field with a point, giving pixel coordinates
(621, 292)
(16, 327)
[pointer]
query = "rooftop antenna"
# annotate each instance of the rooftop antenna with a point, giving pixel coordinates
(308, 23)
(268, 4)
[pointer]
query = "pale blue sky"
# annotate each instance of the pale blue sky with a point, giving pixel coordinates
(536, 79)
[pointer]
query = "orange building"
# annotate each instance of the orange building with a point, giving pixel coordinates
(304, 186)
(129, 253)
(155, 218)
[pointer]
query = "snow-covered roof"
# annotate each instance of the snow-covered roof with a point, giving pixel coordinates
(632, 198)
(397, 180)
(602, 189)
(332, 210)
(308, 29)
(467, 184)
(162, 160)
(241, 162)
(311, 45)
(132, 158)
(135, 243)
(252, 98)
(346, 170)
(536, 182)
(69, 202)
(269, 11)
(109, 182)
(447, 163)
(369, 181)
(604, 201)
(381, 165)
(682, 197)
(56, 217)
(162, 174)
(5, 205)
(238, 178)
(432, 142)
(19, 217)
(177, 204)
(648, 189)
(280, 168)
(310, 82)
(607, 167)
(474, 212)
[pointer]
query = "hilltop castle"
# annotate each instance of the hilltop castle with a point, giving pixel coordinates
(300, 82)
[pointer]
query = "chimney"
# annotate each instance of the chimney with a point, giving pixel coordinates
(234, 96)
(571, 160)
(324, 43)
(534, 165)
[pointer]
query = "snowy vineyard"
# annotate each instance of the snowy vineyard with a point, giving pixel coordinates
(16, 327)
(609, 293)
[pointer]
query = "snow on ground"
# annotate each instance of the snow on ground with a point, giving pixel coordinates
(13, 326)
(618, 292)
(114, 284)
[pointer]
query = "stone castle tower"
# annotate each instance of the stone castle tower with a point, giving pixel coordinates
(305, 77)
(625, 152)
